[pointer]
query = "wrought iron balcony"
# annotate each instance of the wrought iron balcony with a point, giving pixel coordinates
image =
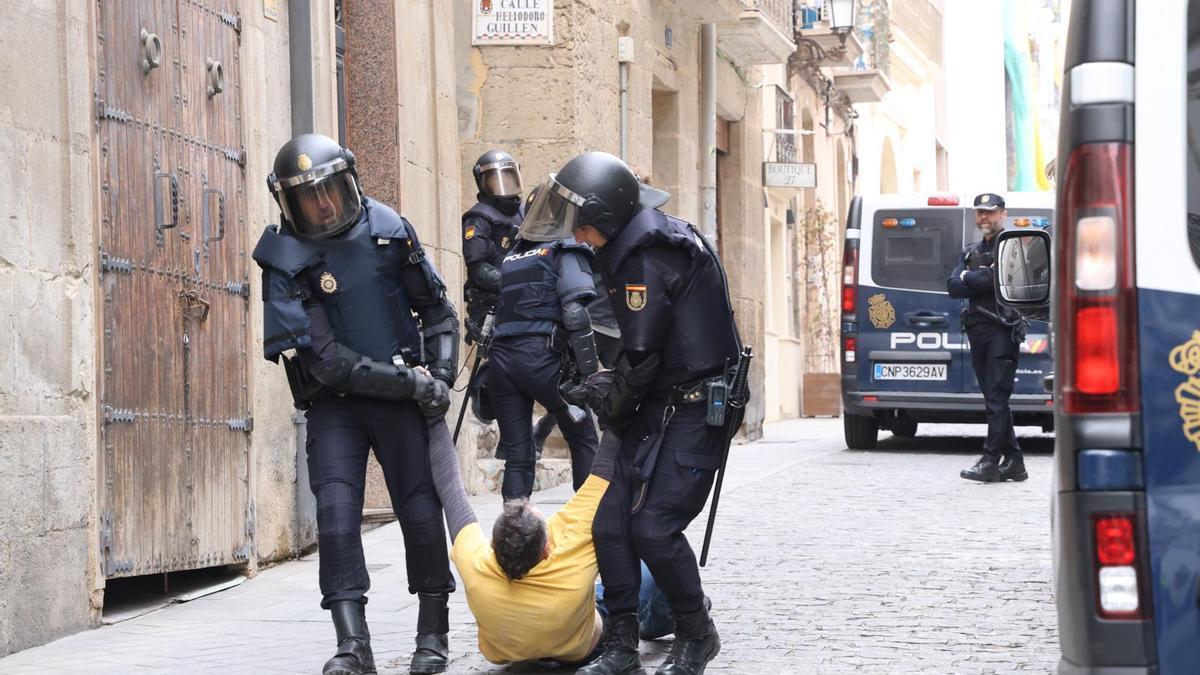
(761, 33)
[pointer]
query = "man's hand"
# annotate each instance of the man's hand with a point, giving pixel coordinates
(431, 394)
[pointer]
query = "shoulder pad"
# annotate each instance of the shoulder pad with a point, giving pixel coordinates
(385, 222)
(283, 252)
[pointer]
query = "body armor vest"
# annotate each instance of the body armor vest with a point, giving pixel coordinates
(356, 276)
(702, 338)
(531, 293)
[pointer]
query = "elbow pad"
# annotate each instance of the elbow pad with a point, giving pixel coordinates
(441, 349)
(578, 325)
(486, 275)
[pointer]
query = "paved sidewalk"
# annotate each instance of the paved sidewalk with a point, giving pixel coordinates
(825, 561)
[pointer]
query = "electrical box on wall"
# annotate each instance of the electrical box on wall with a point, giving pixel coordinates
(625, 50)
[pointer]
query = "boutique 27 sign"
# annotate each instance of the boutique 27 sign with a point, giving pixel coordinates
(513, 22)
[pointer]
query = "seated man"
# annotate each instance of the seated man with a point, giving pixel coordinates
(532, 588)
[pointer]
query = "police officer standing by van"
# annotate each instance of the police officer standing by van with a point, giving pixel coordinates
(489, 231)
(348, 289)
(995, 332)
(678, 340)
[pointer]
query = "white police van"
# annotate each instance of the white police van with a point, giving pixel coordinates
(905, 358)
(1125, 295)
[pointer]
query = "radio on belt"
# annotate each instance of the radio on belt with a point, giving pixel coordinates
(717, 391)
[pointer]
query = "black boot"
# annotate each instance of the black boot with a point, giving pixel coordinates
(620, 655)
(353, 655)
(1013, 468)
(696, 643)
(433, 640)
(986, 470)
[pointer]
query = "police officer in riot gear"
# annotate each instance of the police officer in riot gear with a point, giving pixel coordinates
(489, 233)
(995, 332)
(543, 342)
(347, 287)
(678, 339)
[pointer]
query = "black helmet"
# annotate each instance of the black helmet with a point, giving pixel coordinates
(316, 186)
(481, 403)
(497, 174)
(596, 189)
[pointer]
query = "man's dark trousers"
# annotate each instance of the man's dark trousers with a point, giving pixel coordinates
(683, 475)
(994, 356)
(341, 431)
(521, 370)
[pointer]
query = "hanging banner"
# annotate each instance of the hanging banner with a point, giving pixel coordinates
(513, 22)
(789, 175)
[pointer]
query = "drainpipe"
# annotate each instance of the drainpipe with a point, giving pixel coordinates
(708, 133)
(301, 62)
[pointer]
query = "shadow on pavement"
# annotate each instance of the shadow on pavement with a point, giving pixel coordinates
(965, 445)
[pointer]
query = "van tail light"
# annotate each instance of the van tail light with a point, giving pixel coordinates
(850, 349)
(850, 273)
(1118, 595)
(943, 200)
(1098, 311)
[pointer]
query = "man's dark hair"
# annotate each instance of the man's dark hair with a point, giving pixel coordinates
(518, 538)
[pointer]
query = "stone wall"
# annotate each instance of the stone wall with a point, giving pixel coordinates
(48, 395)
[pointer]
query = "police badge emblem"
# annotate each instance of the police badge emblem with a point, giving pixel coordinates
(1186, 359)
(328, 283)
(504, 242)
(881, 312)
(635, 297)
(304, 162)
(470, 233)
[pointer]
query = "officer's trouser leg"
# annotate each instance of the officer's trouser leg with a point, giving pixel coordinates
(514, 412)
(400, 436)
(580, 436)
(683, 475)
(994, 357)
(338, 443)
(619, 567)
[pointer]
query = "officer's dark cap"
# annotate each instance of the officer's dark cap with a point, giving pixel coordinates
(989, 201)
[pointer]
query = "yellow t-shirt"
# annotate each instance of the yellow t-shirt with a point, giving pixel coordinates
(548, 613)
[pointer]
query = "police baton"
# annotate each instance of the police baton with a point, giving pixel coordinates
(485, 338)
(739, 391)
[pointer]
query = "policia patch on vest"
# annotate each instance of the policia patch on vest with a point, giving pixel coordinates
(635, 297)
(328, 283)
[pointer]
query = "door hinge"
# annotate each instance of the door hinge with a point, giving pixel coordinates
(240, 288)
(234, 21)
(108, 112)
(113, 415)
(110, 263)
(241, 424)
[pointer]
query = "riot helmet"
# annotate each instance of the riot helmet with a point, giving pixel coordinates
(596, 189)
(316, 186)
(497, 175)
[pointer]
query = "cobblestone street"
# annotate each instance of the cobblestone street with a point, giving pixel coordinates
(825, 560)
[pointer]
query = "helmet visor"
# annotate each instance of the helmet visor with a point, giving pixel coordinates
(553, 215)
(502, 179)
(322, 208)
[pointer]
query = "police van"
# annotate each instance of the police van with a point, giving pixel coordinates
(1125, 294)
(904, 354)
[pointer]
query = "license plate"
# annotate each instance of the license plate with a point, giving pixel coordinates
(910, 371)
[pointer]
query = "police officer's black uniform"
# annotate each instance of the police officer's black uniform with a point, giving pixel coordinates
(347, 285)
(995, 333)
(489, 230)
(677, 336)
(541, 320)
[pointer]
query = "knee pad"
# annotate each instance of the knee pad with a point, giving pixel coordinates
(339, 508)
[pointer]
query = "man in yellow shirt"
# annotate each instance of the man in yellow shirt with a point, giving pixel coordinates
(532, 587)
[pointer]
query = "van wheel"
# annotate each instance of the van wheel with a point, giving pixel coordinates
(862, 431)
(904, 427)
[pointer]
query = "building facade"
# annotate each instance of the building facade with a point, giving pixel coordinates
(140, 431)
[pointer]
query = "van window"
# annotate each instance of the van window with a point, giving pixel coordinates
(918, 249)
(1193, 130)
(1014, 219)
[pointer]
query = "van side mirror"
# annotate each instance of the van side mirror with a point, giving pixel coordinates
(1023, 271)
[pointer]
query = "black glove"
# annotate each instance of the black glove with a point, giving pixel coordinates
(473, 329)
(628, 386)
(432, 396)
(594, 389)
